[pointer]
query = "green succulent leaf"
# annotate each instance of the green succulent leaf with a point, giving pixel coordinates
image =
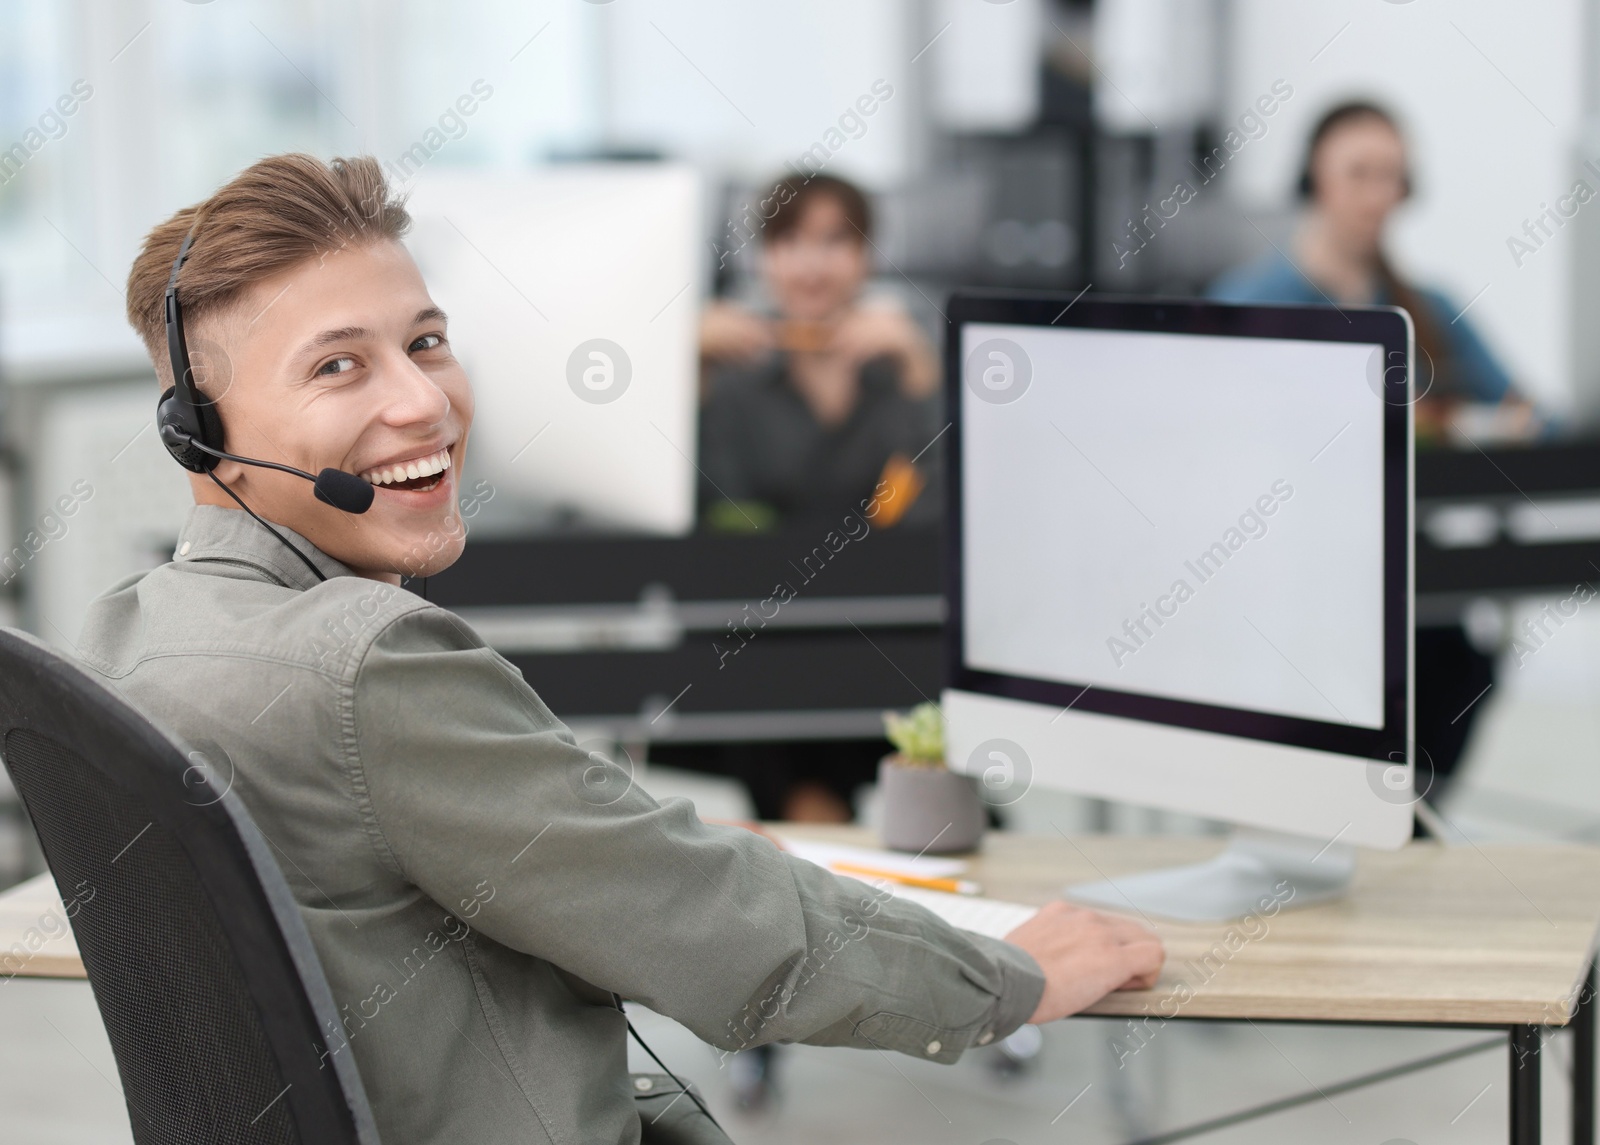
(918, 735)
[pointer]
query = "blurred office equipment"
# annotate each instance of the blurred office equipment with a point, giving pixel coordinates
(711, 639)
(1179, 557)
(1500, 530)
(572, 294)
(99, 494)
(985, 64)
(1002, 212)
(1157, 64)
(1501, 523)
(1584, 284)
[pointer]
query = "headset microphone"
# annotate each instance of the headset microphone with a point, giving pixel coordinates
(343, 490)
(334, 487)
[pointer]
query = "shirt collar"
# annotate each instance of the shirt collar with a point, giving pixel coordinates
(214, 533)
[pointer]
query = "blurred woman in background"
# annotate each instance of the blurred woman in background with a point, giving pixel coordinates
(1355, 175)
(813, 409)
(809, 406)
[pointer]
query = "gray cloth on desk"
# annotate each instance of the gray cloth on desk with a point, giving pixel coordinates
(477, 885)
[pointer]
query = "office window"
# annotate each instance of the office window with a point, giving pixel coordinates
(183, 95)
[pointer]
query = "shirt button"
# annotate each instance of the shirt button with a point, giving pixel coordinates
(934, 1047)
(986, 1037)
(642, 1084)
(183, 549)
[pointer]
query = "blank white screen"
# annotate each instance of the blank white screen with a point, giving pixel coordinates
(1092, 496)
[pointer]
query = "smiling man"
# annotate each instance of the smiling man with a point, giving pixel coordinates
(479, 889)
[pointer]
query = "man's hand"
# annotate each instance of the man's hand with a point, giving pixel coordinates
(1085, 955)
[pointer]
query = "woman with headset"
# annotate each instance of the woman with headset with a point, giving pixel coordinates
(1354, 177)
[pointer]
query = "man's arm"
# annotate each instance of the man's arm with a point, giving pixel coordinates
(479, 796)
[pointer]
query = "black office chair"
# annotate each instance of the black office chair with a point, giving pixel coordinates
(211, 993)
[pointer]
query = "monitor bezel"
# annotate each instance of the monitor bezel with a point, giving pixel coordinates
(1389, 327)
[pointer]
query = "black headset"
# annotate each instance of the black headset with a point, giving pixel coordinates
(191, 427)
(185, 422)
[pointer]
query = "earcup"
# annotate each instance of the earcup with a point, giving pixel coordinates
(178, 422)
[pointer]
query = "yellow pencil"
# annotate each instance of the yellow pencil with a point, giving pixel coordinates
(953, 886)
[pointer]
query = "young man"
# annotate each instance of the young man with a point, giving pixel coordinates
(477, 887)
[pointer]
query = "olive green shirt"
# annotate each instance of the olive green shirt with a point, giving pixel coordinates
(477, 885)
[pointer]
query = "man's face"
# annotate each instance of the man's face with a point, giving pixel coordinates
(342, 361)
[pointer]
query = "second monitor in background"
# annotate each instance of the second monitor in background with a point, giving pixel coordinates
(1179, 574)
(573, 294)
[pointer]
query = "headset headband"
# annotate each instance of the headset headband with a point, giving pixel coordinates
(182, 415)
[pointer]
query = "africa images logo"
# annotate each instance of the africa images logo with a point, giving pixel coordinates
(1005, 772)
(998, 371)
(599, 371)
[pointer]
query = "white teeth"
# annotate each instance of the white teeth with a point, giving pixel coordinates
(411, 470)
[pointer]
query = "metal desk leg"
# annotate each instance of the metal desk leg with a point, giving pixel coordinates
(1524, 1046)
(1583, 1063)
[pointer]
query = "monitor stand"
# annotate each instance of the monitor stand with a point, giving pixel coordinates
(1255, 871)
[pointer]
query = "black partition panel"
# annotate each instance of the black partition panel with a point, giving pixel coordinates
(787, 635)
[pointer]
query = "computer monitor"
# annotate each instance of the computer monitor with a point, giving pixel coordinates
(573, 292)
(1179, 574)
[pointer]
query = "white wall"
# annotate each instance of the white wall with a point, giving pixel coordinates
(1492, 95)
(750, 86)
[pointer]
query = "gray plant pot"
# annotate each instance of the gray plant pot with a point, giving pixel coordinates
(929, 810)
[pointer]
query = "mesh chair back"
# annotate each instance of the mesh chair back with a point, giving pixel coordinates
(204, 974)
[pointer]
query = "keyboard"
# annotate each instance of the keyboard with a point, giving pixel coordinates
(995, 918)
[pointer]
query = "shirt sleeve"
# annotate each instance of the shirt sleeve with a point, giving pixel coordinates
(483, 800)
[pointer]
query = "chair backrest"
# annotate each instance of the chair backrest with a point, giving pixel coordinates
(211, 993)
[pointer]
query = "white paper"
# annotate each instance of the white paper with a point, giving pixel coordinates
(993, 917)
(921, 866)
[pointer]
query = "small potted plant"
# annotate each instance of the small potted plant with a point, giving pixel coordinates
(926, 807)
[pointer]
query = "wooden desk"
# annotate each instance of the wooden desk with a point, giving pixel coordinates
(1500, 937)
(35, 934)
